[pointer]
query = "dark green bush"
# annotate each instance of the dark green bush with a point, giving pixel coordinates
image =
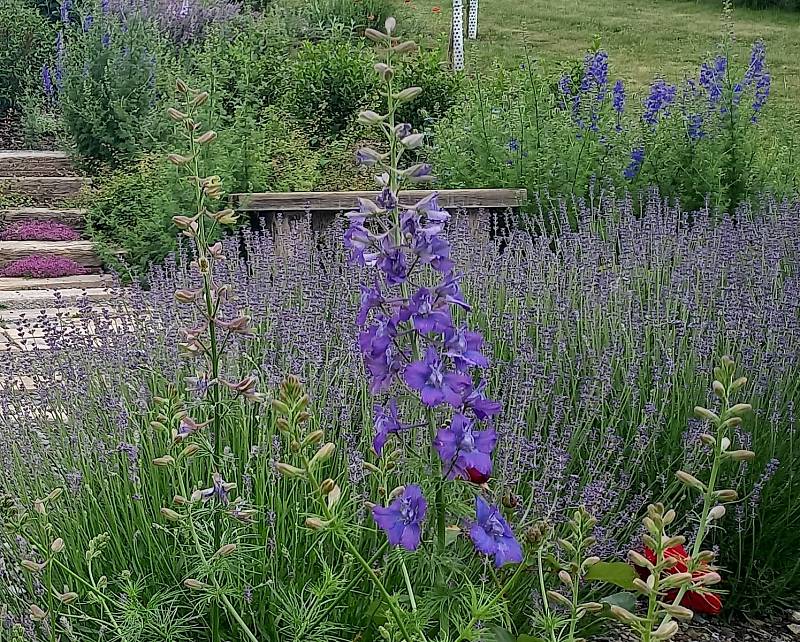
(26, 41)
(788, 5)
(132, 210)
(328, 82)
(109, 90)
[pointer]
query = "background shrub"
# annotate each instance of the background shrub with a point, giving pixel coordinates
(328, 82)
(26, 41)
(109, 77)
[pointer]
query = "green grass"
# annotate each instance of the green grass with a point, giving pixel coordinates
(644, 38)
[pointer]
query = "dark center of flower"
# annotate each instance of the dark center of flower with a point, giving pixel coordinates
(408, 511)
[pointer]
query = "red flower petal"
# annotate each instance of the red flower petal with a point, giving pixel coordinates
(477, 477)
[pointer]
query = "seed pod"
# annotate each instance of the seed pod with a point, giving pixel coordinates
(171, 515)
(565, 578)
(68, 598)
(371, 467)
(375, 35)
(676, 580)
(322, 455)
(690, 480)
(287, 470)
(408, 94)
(57, 546)
(669, 517)
(38, 507)
(666, 631)
(206, 138)
(708, 440)
(164, 461)
(177, 159)
(175, 114)
(677, 611)
(280, 407)
(54, 494)
(195, 585)
(384, 71)
(31, 566)
(225, 550)
(677, 540)
(557, 598)
(589, 562)
(200, 98)
(370, 117)
(189, 451)
(741, 409)
(180, 500)
(705, 414)
(37, 614)
(637, 559)
(728, 495)
(181, 86)
(591, 607)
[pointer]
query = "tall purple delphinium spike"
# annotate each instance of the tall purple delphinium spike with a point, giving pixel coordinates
(412, 339)
(658, 101)
(618, 103)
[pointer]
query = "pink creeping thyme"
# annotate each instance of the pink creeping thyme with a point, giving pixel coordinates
(39, 231)
(42, 267)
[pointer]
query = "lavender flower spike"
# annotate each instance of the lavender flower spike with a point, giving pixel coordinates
(402, 518)
(492, 535)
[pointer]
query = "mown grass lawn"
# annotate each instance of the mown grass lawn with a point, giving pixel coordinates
(644, 38)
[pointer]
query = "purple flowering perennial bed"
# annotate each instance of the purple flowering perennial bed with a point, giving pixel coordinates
(39, 231)
(42, 267)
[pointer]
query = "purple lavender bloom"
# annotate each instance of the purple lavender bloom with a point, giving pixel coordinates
(465, 453)
(104, 7)
(387, 422)
(464, 348)
(435, 385)
(475, 399)
(661, 96)
(427, 313)
(87, 22)
(492, 535)
(402, 518)
(105, 39)
(637, 158)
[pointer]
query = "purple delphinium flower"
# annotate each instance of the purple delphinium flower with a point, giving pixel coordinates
(47, 82)
(387, 422)
(464, 348)
(220, 491)
(434, 383)
(104, 7)
(635, 164)
(475, 399)
(64, 11)
(712, 79)
(492, 535)
(761, 94)
(392, 261)
(105, 39)
(88, 21)
(402, 518)
(465, 453)
(371, 297)
(595, 74)
(379, 354)
(658, 101)
(618, 103)
(427, 313)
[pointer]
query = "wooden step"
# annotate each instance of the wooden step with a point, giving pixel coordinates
(43, 189)
(35, 163)
(78, 282)
(38, 299)
(82, 252)
(70, 216)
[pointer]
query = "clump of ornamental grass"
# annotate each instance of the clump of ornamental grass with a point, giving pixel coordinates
(39, 231)
(677, 583)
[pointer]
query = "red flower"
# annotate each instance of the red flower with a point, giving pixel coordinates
(477, 477)
(699, 602)
(437, 10)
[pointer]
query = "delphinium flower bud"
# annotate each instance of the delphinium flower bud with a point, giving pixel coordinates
(322, 455)
(690, 480)
(369, 117)
(57, 546)
(32, 567)
(741, 409)
(705, 414)
(741, 455)
(225, 550)
(37, 614)
(719, 389)
(68, 598)
(171, 515)
(195, 585)
(677, 611)
(666, 631)
(175, 114)
(164, 461)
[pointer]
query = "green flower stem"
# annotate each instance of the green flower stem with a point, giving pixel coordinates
(543, 592)
(497, 598)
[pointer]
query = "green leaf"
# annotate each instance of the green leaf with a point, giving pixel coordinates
(501, 635)
(624, 599)
(530, 638)
(616, 573)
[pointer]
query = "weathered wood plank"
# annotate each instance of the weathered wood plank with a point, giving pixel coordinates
(35, 163)
(71, 216)
(82, 252)
(341, 201)
(50, 189)
(78, 282)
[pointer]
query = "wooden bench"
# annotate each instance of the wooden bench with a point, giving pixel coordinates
(293, 202)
